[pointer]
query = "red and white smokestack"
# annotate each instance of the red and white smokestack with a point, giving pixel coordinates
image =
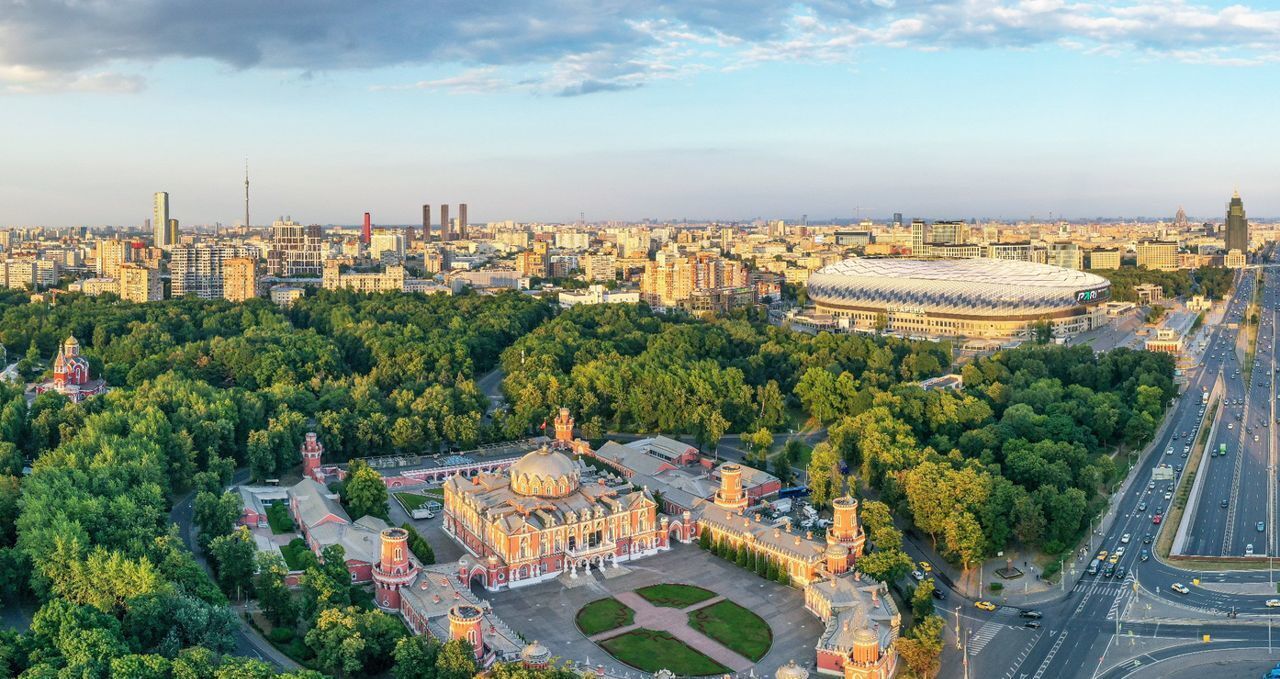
(367, 235)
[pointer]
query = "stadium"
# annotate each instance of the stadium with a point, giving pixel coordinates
(987, 298)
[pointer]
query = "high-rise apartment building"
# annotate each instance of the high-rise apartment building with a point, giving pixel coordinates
(240, 278)
(446, 232)
(426, 223)
(462, 221)
(140, 284)
(160, 233)
(1237, 225)
(919, 236)
(296, 250)
(1158, 255)
(599, 268)
(387, 247)
(198, 269)
(672, 277)
(111, 253)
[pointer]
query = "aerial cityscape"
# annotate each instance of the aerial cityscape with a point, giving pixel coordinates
(566, 340)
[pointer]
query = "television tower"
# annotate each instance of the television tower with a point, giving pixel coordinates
(246, 194)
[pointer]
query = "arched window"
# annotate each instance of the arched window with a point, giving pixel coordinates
(399, 554)
(471, 637)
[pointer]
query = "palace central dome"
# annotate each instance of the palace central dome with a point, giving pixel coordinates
(544, 473)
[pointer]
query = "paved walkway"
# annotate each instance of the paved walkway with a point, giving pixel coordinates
(675, 621)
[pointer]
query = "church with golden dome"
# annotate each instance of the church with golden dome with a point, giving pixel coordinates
(538, 519)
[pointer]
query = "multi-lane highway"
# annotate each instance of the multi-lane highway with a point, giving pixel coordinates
(1234, 515)
(1075, 637)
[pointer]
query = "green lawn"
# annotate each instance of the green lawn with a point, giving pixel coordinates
(279, 519)
(412, 501)
(650, 651)
(674, 596)
(603, 615)
(737, 628)
(294, 553)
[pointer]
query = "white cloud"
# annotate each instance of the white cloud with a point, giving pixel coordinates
(585, 46)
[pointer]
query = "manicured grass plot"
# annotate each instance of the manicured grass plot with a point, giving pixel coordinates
(412, 501)
(674, 596)
(603, 615)
(735, 627)
(650, 651)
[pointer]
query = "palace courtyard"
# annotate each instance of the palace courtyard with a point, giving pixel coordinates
(631, 613)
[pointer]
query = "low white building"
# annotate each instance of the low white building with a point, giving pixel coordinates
(597, 294)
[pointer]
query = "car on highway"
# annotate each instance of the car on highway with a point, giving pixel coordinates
(917, 575)
(1168, 496)
(1093, 568)
(926, 567)
(984, 605)
(938, 593)
(1273, 603)
(1032, 624)
(1031, 613)
(1224, 504)
(1114, 558)
(1179, 588)
(1120, 572)
(1152, 484)
(1248, 549)
(1157, 519)
(1142, 506)
(1262, 526)
(1124, 540)
(1111, 570)
(1146, 539)
(1144, 555)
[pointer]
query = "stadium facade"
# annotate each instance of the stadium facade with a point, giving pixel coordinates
(984, 298)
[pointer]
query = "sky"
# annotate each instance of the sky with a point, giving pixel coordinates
(545, 110)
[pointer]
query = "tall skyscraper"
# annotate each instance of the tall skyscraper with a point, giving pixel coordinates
(367, 232)
(445, 232)
(1237, 225)
(160, 220)
(462, 221)
(897, 220)
(426, 223)
(172, 234)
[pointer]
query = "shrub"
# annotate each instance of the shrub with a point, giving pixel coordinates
(281, 635)
(996, 586)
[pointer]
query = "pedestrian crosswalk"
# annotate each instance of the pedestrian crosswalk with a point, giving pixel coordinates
(984, 634)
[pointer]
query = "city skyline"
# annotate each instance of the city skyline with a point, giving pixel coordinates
(540, 112)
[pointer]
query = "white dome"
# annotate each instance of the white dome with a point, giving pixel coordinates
(544, 473)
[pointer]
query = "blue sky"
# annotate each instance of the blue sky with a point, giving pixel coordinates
(542, 109)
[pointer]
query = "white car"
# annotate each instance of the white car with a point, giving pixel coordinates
(1273, 603)
(1124, 539)
(1179, 588)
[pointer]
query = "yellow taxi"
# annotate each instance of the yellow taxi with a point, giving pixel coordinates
(924, 566)
(1114, 558)
(985, 605)
(1102, 555)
